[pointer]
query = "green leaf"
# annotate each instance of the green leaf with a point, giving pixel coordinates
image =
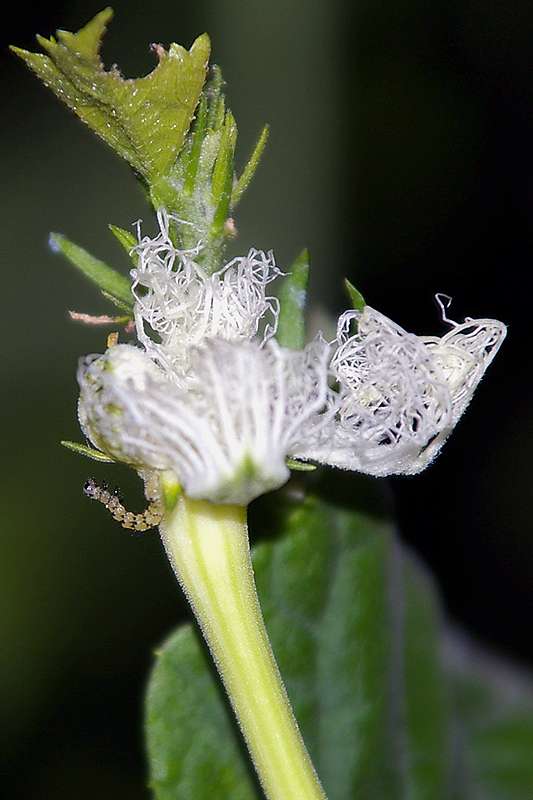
(292, 297)
(389, 705)
(494, 707)
(353, 626)
(89, 452)
(425, 692)
(126, 239)
(356, 298)
(249, 171)
(181, 739)
(144, 120)
(106, 278)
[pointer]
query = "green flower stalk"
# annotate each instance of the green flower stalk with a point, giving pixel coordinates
(208, 548)
(219, 396)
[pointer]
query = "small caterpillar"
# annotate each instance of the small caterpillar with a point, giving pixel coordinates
(149, 518)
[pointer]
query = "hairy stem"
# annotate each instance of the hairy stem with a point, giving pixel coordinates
(208, 547)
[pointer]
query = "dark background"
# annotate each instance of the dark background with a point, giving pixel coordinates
(401, 155)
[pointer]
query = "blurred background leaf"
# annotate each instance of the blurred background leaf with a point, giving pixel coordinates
(388, 706)
(494, 723)
(400, 154)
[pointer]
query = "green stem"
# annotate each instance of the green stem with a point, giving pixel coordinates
(208, 547)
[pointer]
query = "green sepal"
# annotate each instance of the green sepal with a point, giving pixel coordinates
(197, 137)
(105, 277)
(249, 170)
(216, 101)
(292, 298)
(201, 187)
(356, 298)
(222, 181)
(170, 490)
(126, 239)
(89, 452)
(219, 112)
(300, 466)
(144, 120)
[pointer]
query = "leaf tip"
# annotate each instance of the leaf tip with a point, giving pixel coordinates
(42, 40)
(202, 46)
(54, 242)
(19, 51)
(356, 298)
(302, 262)
(106, 14)
(88, 452)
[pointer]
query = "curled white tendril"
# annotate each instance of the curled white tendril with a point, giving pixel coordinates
(228, 433)
(179, 304)
(399, 395)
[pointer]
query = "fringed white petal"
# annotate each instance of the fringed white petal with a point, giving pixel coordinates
(228, 434)
(399, 395)
(178, 305)
(463, 355)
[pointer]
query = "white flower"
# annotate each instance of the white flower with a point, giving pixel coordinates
(182, 305)
(227, 434)
(215, 399)
(399, 395)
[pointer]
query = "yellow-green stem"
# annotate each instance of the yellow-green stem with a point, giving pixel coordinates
(208, 547)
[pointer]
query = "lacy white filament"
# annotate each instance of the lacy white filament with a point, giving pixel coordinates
(463, 355)
(228, 434)
(178, 305)
(399, 395)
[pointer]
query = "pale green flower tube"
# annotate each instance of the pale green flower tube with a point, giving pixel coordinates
(208, 547)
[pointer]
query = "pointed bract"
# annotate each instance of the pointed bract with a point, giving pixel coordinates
(292, 297)
(109, 281)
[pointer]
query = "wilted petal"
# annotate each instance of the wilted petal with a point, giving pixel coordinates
(399, 395)
(109, 385)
